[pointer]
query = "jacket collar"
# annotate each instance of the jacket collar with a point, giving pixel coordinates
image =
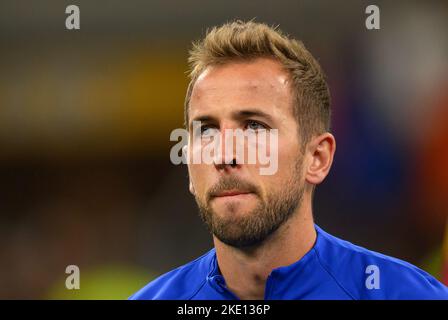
(280, 279)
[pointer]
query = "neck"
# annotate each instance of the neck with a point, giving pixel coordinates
(246, 270)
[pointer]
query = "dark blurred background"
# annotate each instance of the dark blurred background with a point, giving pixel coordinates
(85, 118)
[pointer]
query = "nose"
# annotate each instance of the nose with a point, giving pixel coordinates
(223, 166)
(227, 154)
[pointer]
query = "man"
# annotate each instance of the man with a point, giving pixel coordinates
(251, 77)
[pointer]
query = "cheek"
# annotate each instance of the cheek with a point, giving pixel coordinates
(288, 156)
(285, 151)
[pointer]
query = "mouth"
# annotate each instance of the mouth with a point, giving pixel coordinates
(231, 193)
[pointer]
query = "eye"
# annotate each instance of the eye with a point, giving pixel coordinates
(255, 125)
(207, 130)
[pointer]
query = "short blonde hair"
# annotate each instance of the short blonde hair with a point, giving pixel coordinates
(240, 40)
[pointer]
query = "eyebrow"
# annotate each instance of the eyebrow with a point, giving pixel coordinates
(240, 114)
(251, 113)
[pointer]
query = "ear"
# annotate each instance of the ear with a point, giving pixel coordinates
(191, 188)
(320, 154)
(185, 154)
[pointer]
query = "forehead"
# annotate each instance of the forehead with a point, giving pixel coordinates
(261, 83)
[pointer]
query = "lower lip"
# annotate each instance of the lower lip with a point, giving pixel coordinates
(238, 196)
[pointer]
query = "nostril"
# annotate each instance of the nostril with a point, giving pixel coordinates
(226, 164)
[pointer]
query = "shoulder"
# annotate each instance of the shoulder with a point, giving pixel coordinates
(365, 274)
(180, 283)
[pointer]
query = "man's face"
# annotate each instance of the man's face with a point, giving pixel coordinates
(240, 206)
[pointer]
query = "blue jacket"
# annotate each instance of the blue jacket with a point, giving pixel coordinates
(332, 269)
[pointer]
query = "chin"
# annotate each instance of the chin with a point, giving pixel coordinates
(233, 209)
